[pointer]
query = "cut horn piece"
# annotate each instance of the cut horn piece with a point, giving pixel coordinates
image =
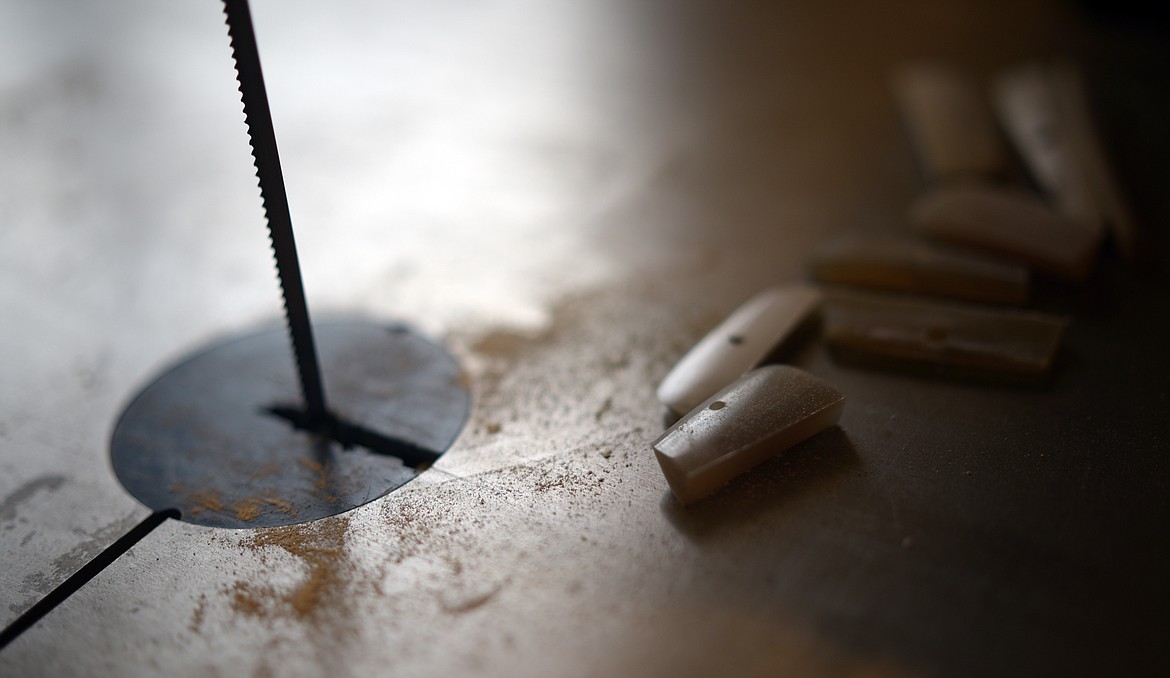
(951, 127)
(739, 343)
(1046, 111)
(1008, 223)
(765, 412)
(915, 267)
(994, 344)
(1073, 101)
(1028, 108)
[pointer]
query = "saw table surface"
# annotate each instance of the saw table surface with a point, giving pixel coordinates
(568, 195)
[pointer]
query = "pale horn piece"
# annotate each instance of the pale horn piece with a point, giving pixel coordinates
(911, 266)
(765, 412)
(951, 127)
(994, 344)
(737, 344)
(1009, 223)
(1037, 122)
(1076, 115)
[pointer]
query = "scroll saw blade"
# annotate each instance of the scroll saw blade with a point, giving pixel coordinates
(262, 138)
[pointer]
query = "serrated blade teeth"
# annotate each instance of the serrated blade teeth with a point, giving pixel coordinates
(262, 139)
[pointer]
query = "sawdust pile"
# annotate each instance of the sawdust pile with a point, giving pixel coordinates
(329, 576)
(248, 509)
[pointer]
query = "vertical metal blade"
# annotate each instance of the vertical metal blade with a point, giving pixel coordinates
(263, 140)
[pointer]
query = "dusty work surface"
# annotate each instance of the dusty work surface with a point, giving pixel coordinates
(568, 195)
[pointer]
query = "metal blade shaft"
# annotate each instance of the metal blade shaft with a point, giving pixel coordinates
(263, 140)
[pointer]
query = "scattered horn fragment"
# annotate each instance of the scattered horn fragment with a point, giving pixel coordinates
(1027, 107)
(984, 342)
(1046, 111)
(1089, 150)
(763, 413)
(952, 129)
(1010, 223)
(902, 264)
(742, 341)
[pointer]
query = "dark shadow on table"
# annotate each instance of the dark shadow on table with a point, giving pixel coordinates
(811, 466)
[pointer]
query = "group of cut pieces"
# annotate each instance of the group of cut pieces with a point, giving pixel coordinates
(983, 238)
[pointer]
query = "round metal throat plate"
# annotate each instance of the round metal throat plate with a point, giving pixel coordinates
(203, 438)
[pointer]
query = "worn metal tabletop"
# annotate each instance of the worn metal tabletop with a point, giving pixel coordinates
(568, 194)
